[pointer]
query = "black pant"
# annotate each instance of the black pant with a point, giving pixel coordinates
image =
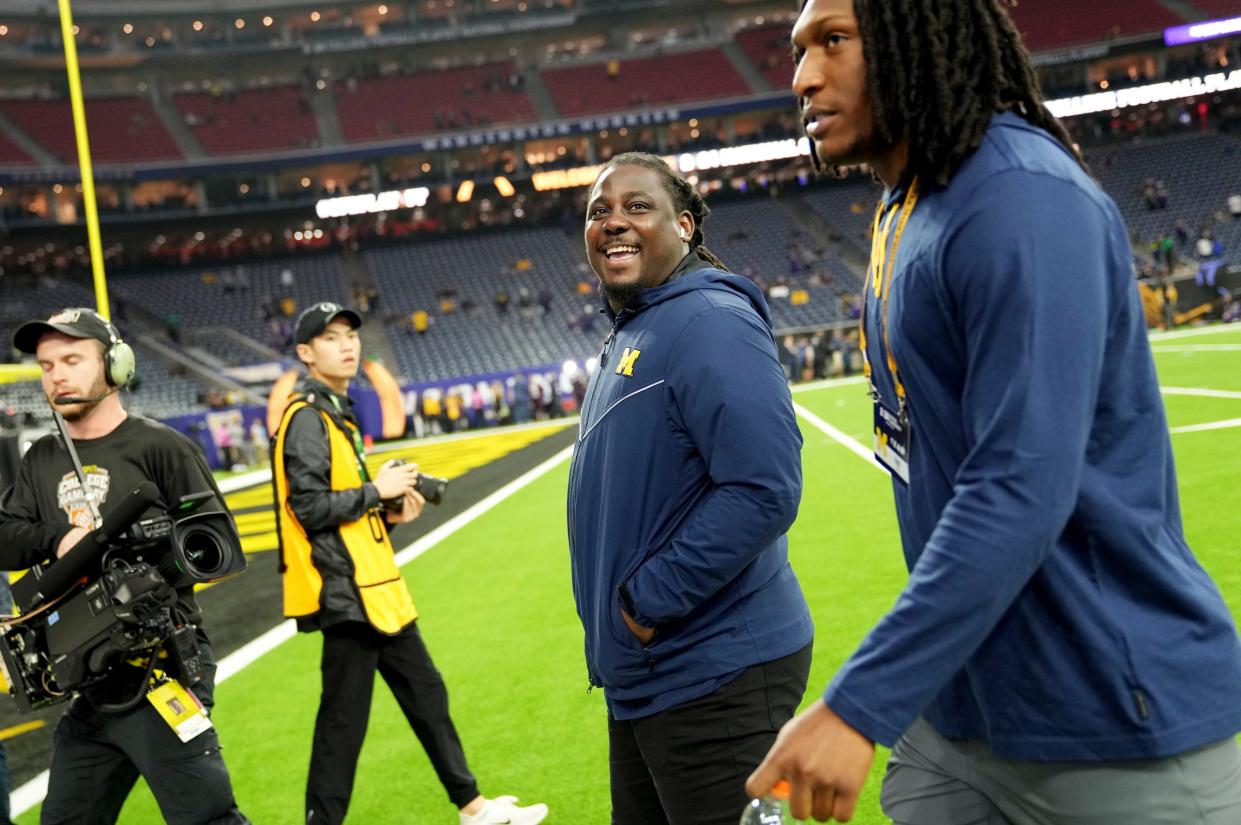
(99, 756)
(352, 652)
(688, 765)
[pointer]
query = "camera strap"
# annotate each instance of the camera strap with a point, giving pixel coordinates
(337, 414)
(87, 494)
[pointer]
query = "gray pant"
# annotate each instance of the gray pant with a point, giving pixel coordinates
(933, 781)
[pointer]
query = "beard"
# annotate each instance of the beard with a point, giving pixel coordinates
(76, 412)
(620, 296)
(841, 163)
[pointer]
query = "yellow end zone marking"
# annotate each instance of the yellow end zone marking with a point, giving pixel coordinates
(449, 458)
(17, 730)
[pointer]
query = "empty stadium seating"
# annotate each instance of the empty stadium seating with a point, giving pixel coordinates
(699, 75)
(756, 236)
(848, 206)
(253, 120)
(11, 153)
(769, 51)
(122, 129)
(1054, 24)
(411, 276)
(198, 301)
(761, 239)
(386, 107)
(1200, 172)
(1218, 8)
(157, 392)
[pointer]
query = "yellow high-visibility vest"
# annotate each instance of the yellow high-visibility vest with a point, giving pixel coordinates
(385, 598)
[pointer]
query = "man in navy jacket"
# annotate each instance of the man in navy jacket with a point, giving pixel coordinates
(685, 478)
(1058, 656)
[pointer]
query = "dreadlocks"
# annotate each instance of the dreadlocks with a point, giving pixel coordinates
(937, 72)
(684, 198)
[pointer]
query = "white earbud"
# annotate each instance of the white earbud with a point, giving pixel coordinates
(682, 234)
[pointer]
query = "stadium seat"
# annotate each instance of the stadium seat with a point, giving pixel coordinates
(641, 81)
(252, 120)
(122, 129)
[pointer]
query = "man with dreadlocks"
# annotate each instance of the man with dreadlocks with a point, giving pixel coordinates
(1057, 656)
(685, 477)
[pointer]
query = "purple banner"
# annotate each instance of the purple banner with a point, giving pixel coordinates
(1207, 30)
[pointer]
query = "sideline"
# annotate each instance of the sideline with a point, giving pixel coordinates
(1210, 425)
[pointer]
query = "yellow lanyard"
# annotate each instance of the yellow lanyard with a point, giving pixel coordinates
(879, 278)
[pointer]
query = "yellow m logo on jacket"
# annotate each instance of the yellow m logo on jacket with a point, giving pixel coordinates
(625, 367)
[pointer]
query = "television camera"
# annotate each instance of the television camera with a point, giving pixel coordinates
(113, 597)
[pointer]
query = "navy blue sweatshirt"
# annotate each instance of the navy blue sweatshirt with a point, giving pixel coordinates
(1053, 610)
(685, 477)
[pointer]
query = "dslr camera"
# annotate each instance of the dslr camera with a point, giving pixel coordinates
(113, 596)
(429, 487)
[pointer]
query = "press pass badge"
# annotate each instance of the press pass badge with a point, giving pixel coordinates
(892, 437)
(180, 709)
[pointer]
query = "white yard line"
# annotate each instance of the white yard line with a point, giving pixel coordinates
(1200, 392)
(1210, 425)
(1193, 333)
(1198, 348)
(852, 444)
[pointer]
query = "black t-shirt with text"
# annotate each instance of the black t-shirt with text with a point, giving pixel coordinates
(46, 499)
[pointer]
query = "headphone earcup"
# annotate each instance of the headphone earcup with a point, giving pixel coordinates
(119, 364)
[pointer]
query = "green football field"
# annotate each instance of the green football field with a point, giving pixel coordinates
(497, 612)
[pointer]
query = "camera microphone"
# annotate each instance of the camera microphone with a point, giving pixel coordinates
(73, 399)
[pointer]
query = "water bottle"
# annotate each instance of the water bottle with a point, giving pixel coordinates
(772, 809)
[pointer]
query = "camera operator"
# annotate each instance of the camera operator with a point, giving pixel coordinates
(107, 740)
(340, 577)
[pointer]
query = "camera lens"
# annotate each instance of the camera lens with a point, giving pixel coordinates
(203, 551)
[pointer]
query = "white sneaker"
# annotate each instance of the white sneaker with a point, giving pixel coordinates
(504, 810)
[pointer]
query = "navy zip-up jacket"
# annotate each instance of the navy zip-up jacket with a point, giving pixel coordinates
(685, 477)
(1053, 610)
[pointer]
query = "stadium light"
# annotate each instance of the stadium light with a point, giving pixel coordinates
(1145, 95)
(465, 191)
(372, 203)
(565, 178)
(741, 155)
(504, 186)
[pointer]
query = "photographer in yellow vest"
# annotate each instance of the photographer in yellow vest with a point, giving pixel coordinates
(340, 577)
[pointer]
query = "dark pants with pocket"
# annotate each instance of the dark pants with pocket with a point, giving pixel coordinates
(99, 756)
(688, 765)
(352, 652)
